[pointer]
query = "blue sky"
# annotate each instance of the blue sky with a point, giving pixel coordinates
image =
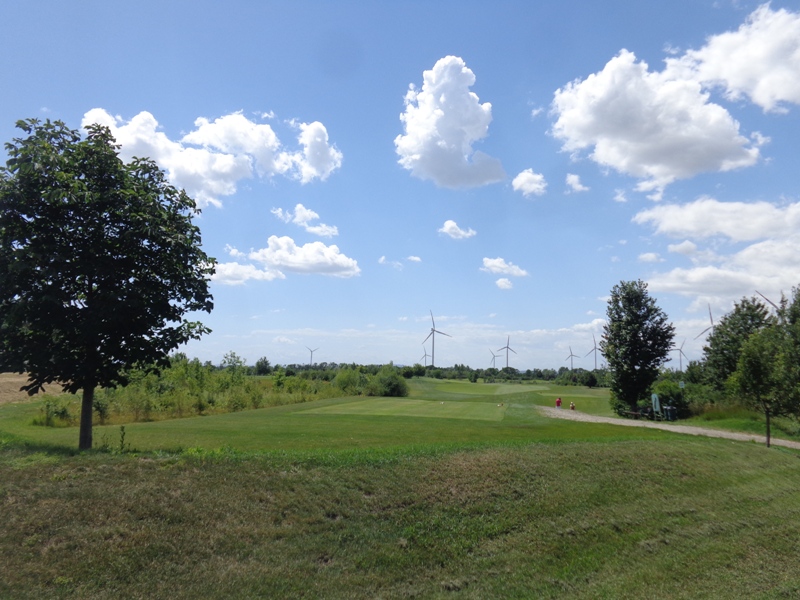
(503, 165)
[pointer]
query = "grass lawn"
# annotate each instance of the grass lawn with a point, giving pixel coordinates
(396, 498)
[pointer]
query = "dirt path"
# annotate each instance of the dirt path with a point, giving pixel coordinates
(575, 415)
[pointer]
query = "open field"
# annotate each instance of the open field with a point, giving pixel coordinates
(352, 423)
(396, 498)
(9, 388)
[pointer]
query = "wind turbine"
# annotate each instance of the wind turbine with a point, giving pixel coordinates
(494, 357)
(311, 362)
(507, 347)
(681, 354)
(710, 327)
(425, 356)
(570, 357)
(594, 349)
(432, 335)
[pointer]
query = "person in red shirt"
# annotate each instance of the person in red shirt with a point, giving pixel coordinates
(558, 402)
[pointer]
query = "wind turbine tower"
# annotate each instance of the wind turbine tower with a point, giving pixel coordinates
(311, 362)
(432, 335)
(425, 356)
(681, 354)
(507, 347)
(570, 357)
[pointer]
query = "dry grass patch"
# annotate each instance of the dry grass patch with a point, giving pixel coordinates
(9, 388)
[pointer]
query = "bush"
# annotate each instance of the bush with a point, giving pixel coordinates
(54, 414)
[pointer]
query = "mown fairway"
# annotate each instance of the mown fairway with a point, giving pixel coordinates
(388, 498)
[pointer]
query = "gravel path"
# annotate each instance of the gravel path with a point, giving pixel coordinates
(575, 415)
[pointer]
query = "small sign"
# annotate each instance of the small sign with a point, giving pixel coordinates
(656, 404)
(681, 385)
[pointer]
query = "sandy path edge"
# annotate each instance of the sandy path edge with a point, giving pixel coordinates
(576, 415)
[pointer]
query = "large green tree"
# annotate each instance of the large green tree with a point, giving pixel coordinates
(637, 338)
(724, 344)
(767, 376)
(99, 263)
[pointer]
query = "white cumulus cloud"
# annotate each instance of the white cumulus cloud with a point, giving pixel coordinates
(315, 257)
(209, 161)
(452, 229)
(707, 217)
(504, 284)
(442, 121)
(283, 255)
(501, 267)
(529, 183)
(686, 248)
(234, 273)
(650, 257)
(755, 247)
(654, 126)
(303, 216)
(760, 60)
(574, 183)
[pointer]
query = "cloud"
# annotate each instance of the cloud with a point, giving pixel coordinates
(414, 259)
(283, 255)
(760, 60)
(686, 248)
(504, 284)
(764, 239)
(619, 196)
(315, 257)
(707, 217)
(318, 159)
(302, 216)
(392, 263)
(650, 257)
(452, 229)
(529, 183)
(209, 161)
(656, 127)
(442, 121)
(574, 183)
(234, 273)
(501, 267)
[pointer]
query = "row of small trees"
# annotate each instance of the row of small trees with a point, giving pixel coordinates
(751, 357)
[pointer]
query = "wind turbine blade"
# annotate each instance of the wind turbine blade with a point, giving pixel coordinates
(702, 332)
(588, 353)
(442, 333)
(775, 306)
(432, 321)
(427, 338)
(514, 351)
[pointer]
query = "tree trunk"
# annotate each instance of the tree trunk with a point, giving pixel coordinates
(87, 404)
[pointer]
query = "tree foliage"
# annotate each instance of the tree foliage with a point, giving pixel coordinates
(767, 377)
(636, 341)
(724, 344)
(99, 263)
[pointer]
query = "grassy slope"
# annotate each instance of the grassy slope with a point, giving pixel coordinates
(361, 506)
(679, 518)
